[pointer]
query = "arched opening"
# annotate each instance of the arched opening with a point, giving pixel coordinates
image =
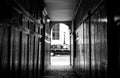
(60, 44)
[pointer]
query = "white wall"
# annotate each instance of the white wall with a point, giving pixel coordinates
(63, 28)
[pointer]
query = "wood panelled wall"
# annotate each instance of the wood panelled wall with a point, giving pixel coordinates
(47, 45)
(21, 39)
(83, 8)
(19, 51)
(91, 44)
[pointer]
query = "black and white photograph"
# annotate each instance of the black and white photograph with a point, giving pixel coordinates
(59, 39)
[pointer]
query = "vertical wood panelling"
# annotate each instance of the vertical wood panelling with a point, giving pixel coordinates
(91, 45)
(4, 51)
(20, 42)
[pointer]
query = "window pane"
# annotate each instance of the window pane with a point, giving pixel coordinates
(55, 33)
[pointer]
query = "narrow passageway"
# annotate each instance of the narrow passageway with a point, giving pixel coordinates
(55, 71)
(59, 39)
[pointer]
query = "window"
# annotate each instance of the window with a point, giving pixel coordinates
(55, 32)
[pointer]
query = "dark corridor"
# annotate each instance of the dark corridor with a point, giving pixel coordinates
(25, 38)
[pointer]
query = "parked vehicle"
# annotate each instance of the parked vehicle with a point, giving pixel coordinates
(59, 50)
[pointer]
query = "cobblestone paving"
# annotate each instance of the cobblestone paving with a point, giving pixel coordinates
(60, 72)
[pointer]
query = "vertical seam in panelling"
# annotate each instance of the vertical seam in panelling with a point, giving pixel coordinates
(89, 41)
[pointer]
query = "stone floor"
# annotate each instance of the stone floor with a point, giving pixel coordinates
(60, 72)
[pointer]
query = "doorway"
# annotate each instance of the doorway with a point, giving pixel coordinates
(60, 44)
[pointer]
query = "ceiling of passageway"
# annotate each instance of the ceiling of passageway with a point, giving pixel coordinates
(61, 10)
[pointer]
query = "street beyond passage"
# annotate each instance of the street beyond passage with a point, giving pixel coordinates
(60, 60)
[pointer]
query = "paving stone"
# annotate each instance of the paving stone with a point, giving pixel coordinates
(60, 72)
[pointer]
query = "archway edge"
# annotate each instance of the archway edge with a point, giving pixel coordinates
(68, 23)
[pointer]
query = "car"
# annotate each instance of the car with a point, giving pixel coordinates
(59, 50)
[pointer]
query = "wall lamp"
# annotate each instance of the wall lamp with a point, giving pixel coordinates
(48, 18)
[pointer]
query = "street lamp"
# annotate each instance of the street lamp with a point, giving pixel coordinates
(64, 38)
